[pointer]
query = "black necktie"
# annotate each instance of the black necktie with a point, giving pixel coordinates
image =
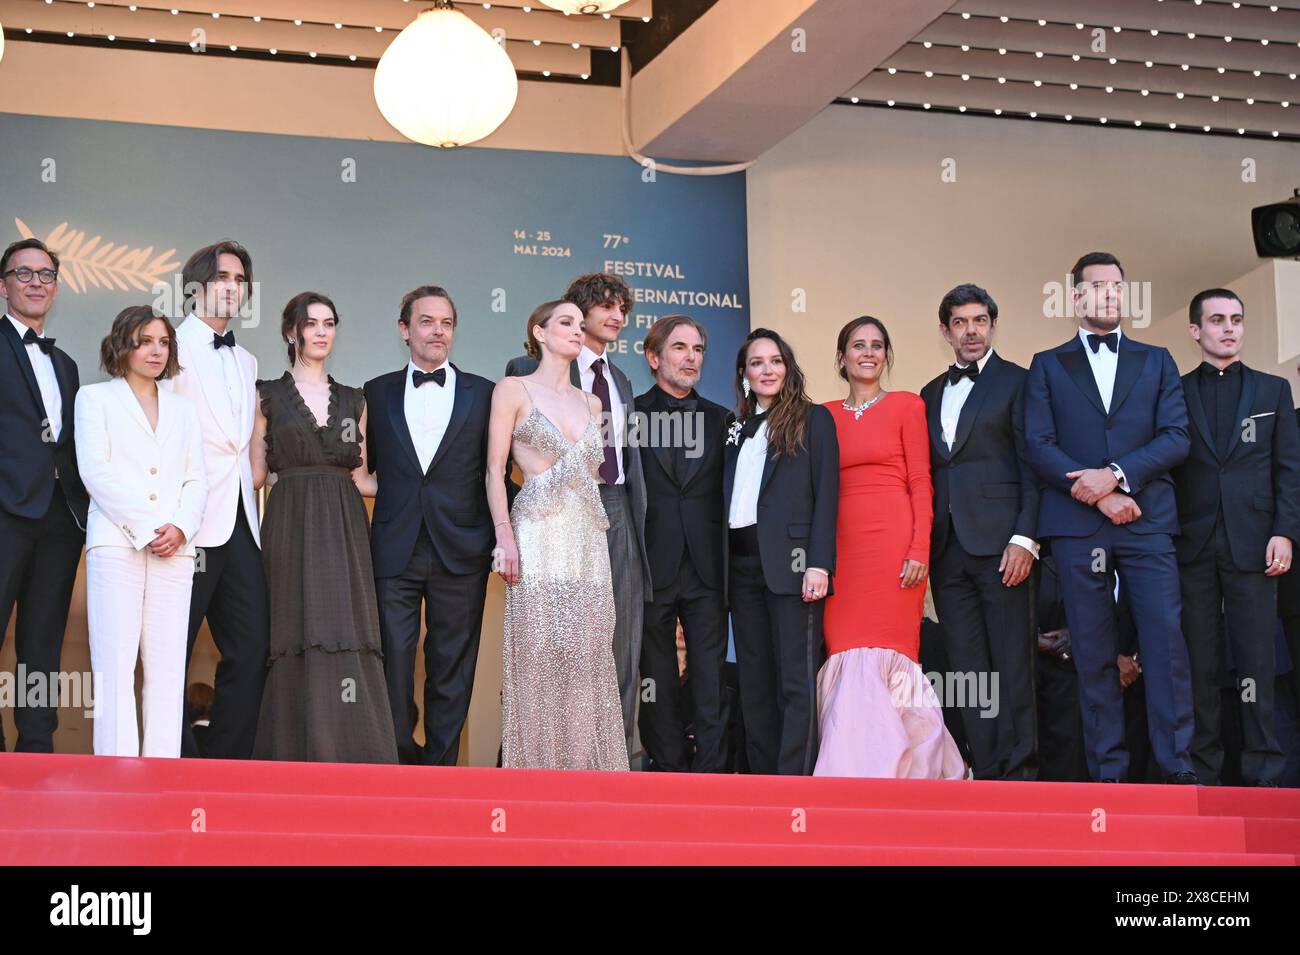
(1111, 341)
(955, 374)
(227, 340)
(44, 344)
(600, 388)
(438, 377)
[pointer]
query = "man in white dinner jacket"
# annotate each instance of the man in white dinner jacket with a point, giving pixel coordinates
(220, 377)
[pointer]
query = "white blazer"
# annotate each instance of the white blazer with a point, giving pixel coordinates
(225, 440)
(139, 479)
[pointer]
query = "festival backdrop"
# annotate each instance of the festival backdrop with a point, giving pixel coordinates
(502, 230)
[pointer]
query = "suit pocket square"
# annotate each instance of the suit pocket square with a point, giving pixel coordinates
(1264, 414)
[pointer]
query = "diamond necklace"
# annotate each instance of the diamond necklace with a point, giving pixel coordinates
(859, 410)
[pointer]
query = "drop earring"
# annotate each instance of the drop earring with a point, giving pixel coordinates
(744, 385)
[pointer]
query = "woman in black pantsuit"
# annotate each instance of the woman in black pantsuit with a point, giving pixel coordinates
(781, 486)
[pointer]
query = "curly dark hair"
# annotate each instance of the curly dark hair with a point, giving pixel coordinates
(599, 288)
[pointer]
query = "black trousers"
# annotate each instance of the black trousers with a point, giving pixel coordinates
(230, 591)
(38, 566)
(1291, 627)
(1061, 755)
(988, 628)
(779, 649)
(703, 612)
(453, 618)
(1211, 586)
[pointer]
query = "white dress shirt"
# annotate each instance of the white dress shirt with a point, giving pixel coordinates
(954, 399)
(46, 380)
(428, 409)
(235, 384)
(586, 358)
(749, 479)
(1105, 365)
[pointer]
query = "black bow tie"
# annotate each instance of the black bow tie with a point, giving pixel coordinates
(674, 403)
(438, 377)
(955, 374)
(1111, 341)
(228, 340)
(44, 344)
(752, 425)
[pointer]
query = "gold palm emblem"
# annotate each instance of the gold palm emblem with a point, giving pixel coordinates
(91, 262)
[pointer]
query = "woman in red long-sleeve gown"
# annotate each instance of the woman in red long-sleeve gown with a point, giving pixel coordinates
(877, 714)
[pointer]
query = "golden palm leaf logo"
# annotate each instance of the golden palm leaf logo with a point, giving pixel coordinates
(92, 262)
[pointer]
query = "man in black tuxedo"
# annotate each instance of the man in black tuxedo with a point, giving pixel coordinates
(605, 301)
(982, 547)
(684, 540)
(1288, 607)
(431, 536)
(42, 501)
(1239, 507)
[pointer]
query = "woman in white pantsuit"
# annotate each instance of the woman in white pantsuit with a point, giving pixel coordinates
(140, 454)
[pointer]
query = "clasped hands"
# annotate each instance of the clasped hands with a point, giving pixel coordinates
(1096, 487)
(169, 540)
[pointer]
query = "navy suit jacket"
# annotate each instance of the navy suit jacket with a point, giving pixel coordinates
(1068, 429)
(29, 462)
(450, 498)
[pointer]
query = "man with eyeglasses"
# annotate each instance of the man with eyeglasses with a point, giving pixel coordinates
(42, 501)
(1105, 424)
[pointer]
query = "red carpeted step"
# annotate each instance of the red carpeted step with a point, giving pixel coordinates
(154, 775)
(380, 816)
(97, 848)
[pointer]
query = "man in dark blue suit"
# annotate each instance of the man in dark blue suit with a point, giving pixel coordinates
(431, 537)
(1105, 423)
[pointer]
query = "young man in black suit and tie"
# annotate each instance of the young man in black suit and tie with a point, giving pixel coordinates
(684, 540)
(985, 519)
(42, 501)
(1239, 506)
(605, 301)
(431, 536)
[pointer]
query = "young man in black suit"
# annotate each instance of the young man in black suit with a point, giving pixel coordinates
(605, 301)
(431, 536)
(982, 544)
(1288, 606)
(42, 501)
(1239, 506)
(684, 540)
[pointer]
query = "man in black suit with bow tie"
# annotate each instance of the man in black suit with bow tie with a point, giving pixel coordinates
(431, 536)
(1239, 506)
(684, 540)
(983, 543)
(42, 501)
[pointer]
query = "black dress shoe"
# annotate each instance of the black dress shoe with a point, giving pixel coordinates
(1266, 782)
(1110, 780)
(1182, 779)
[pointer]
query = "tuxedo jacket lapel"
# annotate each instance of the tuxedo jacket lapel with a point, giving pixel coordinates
(126, 397)
(1131, 363)
(397, 417)
(211, 378)
(25, 365)
(980, 389)
(934, 418)
(1196, 411)
(712, 428)
(1249, 384)
(1075, 363)
(460, 405)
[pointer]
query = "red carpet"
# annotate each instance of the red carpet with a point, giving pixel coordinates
(84, 810)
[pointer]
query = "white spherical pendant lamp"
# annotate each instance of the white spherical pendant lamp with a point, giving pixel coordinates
(444, 81)
(584, 6)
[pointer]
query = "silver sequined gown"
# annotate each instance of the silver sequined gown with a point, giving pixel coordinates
(560, 706)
